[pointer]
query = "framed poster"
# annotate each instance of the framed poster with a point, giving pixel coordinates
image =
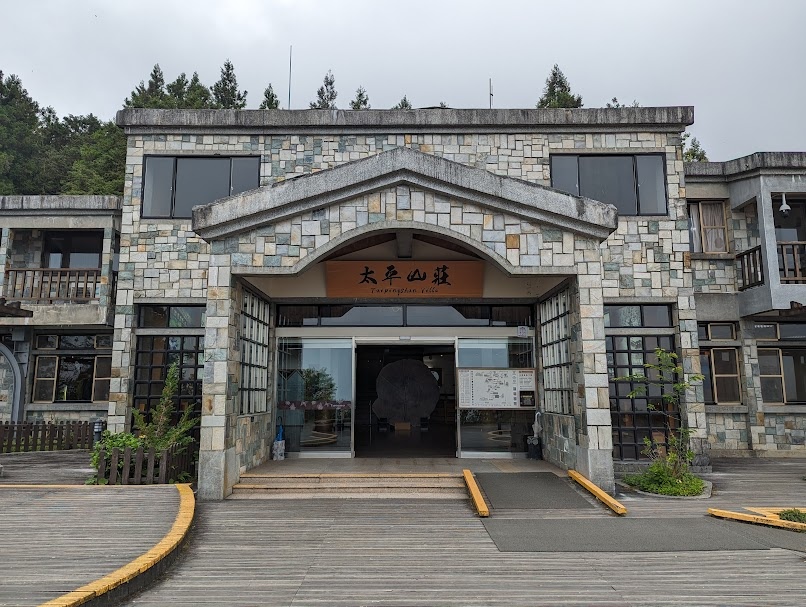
(496, 388)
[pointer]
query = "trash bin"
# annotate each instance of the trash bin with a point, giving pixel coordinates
(533, 450)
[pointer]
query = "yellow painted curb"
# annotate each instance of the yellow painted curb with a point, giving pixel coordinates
(773, 512)
(604, 497)
(757, 519)
(141, 564)
(475, 494)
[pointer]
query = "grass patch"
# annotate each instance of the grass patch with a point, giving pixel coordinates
(793, 514)
(657, 479)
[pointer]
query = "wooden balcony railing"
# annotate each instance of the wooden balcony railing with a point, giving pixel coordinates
(792, 262)
(43, 285)
(749, 268)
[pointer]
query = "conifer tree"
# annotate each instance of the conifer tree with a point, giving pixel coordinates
(361, 101)
(225, 92)
(693, 150)
(153, 94)
(198, 96)
(177, 90)
(270, 100)
(557, 92)
(326, 95)
(403, 104)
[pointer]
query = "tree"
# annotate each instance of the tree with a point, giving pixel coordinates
(693, 151)
(62, 141)
(270, 100)
(326, 95)
(198, 96)
(614, 103)
(101, 165)
(403, 104)
(151, 95)
(20, 139)
(442, 104)
(557, 92)
(361, 101)
(225, 92)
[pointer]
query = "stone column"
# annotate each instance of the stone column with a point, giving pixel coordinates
(218, 461)
(5, 254)
(592, 399)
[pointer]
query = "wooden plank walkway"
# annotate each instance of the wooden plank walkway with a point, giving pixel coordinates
(56, 539)
(46, 468)
(429, 553)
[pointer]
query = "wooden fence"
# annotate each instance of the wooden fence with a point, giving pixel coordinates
(140, 467)
(41, 436)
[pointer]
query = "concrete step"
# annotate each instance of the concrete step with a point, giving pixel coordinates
(346, 485)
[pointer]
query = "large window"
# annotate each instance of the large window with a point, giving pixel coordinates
(255, 354)
(719, 363)
(172, 186)
(783, 375)
(636, 185)
(707, 227)
(76, 249)
(634, 333)
(72, 368)
(555, 353)
(408, 315)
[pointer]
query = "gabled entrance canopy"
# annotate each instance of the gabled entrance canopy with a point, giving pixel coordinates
(403, 166)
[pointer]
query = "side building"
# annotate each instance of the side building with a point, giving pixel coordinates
(57, 256)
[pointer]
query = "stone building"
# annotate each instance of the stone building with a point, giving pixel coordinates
(441, 282)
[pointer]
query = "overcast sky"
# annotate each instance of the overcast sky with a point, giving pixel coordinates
(740, 63)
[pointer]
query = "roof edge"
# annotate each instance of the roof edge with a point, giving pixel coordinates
(745, 164)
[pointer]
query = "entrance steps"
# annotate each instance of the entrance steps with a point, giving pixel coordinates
(364, 485)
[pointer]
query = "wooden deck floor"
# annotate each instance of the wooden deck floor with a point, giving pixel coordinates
(46, 467)
(432, 553)
(56, 539)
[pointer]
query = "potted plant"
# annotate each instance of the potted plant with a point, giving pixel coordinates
(319, 387)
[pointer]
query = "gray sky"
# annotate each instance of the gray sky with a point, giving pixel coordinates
(740, 63)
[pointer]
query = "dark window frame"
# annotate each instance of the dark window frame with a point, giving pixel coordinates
(70, 237)
(142, 308)
(711, 376)
(701, 242)
(175, 158)
(634, 157)
(59, 352)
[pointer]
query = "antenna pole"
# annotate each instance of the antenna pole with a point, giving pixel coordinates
(290, 49)
(491, 93)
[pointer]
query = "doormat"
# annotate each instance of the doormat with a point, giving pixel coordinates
(530, 490)
(617, 535)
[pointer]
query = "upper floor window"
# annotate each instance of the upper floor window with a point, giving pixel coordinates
(74, 249)
(172, 317)
(707, 227)
(790, 225)
(629, 316)
(635, 184)
(172, 185)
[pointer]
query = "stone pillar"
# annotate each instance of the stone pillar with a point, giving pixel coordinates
(5, 254)
(218, 461)
(692, 405)
(592, 399)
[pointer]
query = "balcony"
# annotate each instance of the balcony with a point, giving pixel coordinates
(750, 268)
(49, 286)
(792, 262)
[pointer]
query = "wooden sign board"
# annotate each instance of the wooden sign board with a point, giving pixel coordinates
(404, 279)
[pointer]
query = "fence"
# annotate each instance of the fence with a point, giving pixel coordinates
(140, 467)
(41, 436)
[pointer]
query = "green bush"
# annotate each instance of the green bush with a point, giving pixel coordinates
(658, 478)
(793, 514)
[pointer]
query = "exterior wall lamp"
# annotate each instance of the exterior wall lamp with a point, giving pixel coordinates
(785, 208)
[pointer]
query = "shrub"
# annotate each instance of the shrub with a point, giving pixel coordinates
(792, 514)
(659, 478)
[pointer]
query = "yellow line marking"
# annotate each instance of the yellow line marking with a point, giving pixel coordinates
(604, 497)
(759, 520)
(475, 494)
(95, 487)
(350, 475)
(141, 564)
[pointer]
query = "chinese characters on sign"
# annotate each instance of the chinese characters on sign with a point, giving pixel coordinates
(411, 279)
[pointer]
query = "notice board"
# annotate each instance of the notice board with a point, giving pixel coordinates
(496, 388)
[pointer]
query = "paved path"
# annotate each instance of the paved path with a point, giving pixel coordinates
(432, 553)
(56, 539)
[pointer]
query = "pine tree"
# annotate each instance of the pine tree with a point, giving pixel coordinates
(361, 101)
(403, 104)
(444, 105)
(101, 165)
(225, 92)
(614, 103)
(20, 141)
(198, 96)
(557, 92)
(153, 94)
(177, 91)
(270, 100)
(326, 95)
(693, 151)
